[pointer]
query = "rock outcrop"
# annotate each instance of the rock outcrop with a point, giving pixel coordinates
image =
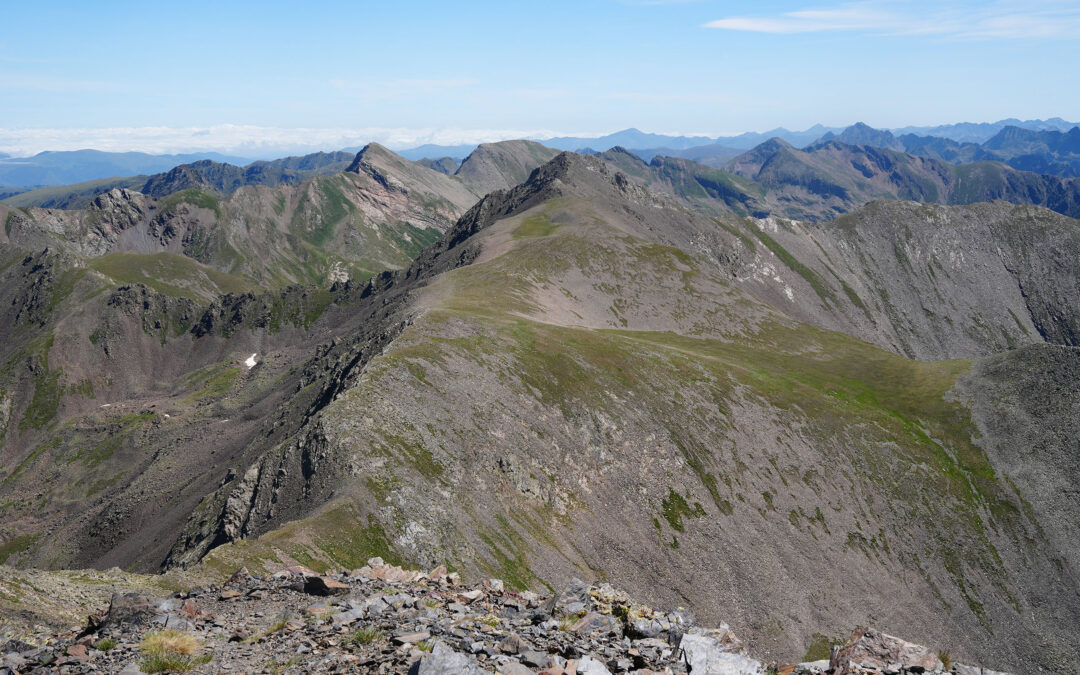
(381, 618)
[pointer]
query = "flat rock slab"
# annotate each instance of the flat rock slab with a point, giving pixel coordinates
(325, 586)
(445, 661)
(411, 638)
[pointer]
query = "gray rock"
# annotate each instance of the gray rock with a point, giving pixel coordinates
(645, 628)
(345, 618)
(513, 644)
(411, 638)
(574, 598)
(590, 666)
(131, 608)
(705, 654)
(594, 622)
(445, 661)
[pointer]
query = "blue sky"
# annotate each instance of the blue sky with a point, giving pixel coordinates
(246, 75)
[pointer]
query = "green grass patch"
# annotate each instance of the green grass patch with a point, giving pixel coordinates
(821, 647)
(212, 383)
(120, 430)
(535, 226)
(47, 388)
(675, 509)
(196, 198)
(16, 545)
(340, 537)
(169, 274)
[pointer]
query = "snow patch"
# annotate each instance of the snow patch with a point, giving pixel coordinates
(251, 362)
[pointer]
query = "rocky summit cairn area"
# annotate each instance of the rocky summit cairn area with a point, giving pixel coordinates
(381, 618)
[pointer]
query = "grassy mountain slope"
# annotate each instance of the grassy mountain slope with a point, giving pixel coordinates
(75, 196)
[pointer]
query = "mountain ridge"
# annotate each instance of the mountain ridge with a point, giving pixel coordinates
(581, 376)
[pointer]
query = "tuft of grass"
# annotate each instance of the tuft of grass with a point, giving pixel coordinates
(280, 667)
(675, 508)
(105, 644)
(365, 636)
(946, 659)
(170, 641)
(171, 650)
(425, 645)
(277, 626)
(16, 545)
(171, 663)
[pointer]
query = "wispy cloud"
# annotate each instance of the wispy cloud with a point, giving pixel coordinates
(1003, 20)
(245, 140)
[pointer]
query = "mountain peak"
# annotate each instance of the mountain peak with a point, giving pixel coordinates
(502, 165)
(371, 151)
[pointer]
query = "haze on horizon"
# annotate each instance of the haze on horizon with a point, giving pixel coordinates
(258, 78)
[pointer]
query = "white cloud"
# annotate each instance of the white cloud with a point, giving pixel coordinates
(244, 140)
(1003, 19)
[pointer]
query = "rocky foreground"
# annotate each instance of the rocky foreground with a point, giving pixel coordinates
(383, 619)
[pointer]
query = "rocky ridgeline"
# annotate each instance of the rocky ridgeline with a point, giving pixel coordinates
(384, 619)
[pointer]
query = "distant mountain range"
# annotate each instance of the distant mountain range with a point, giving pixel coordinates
(19, 174)
(1047, 151)
(77, 166)
(647, 145)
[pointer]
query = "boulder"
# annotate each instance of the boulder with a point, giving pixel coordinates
(594, 622)
(870, 650)
(715, 653)
(319, 585)
(590, 666)
(131, 608)
(445, 661)
(573, 599)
